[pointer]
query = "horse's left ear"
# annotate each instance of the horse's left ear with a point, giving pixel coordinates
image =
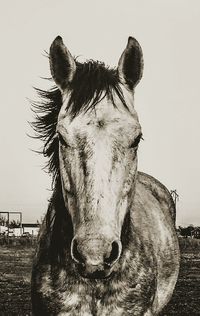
(130, 66)
(62, 64)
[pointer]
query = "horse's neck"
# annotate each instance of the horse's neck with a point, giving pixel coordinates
(57, 228)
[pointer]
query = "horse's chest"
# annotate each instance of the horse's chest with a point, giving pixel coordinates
(74, 304)
(78, 299)
(118, 300)
(66, 296)
(87, 305)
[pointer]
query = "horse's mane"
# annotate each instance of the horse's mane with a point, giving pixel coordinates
(91, 83)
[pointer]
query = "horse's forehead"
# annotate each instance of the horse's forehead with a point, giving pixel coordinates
(104, 115)
(98, 120)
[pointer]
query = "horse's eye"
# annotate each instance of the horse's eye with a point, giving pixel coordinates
(61, 140)
(136, 141)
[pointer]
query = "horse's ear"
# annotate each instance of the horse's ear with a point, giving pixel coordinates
(62, 64)
(130, 66)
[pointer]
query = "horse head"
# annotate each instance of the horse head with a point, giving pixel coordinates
(99, 133)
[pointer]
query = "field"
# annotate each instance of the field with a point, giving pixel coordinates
(15, 268)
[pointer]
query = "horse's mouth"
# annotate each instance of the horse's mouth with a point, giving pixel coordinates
(97, 275)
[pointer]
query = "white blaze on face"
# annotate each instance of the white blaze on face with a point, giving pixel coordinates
(98, 165)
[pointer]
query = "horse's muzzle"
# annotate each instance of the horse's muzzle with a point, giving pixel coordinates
(95, 258)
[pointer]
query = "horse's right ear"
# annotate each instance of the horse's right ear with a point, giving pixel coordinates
(130, 66)
(62, 64)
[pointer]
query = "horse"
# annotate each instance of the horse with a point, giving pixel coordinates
(107, 244)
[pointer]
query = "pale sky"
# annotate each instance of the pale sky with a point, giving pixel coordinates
(167, 99)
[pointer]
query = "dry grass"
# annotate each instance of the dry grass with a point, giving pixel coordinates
(186, 297)
(189, 245)
(15, 269)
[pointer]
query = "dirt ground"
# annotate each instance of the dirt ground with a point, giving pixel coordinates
(15, 268)
(186, 297)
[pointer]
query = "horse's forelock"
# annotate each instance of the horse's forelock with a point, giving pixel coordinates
(91, 83)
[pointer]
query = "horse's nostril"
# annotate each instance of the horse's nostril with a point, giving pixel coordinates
(114, 254)
(75, 253)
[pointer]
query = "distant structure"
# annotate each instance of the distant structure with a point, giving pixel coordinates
(175, 196)
(31, 229)
(8, 219)
(27, 229)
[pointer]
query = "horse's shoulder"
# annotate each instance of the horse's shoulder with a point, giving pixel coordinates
(158, 190)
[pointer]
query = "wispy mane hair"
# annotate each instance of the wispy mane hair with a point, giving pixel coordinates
(91, 83)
